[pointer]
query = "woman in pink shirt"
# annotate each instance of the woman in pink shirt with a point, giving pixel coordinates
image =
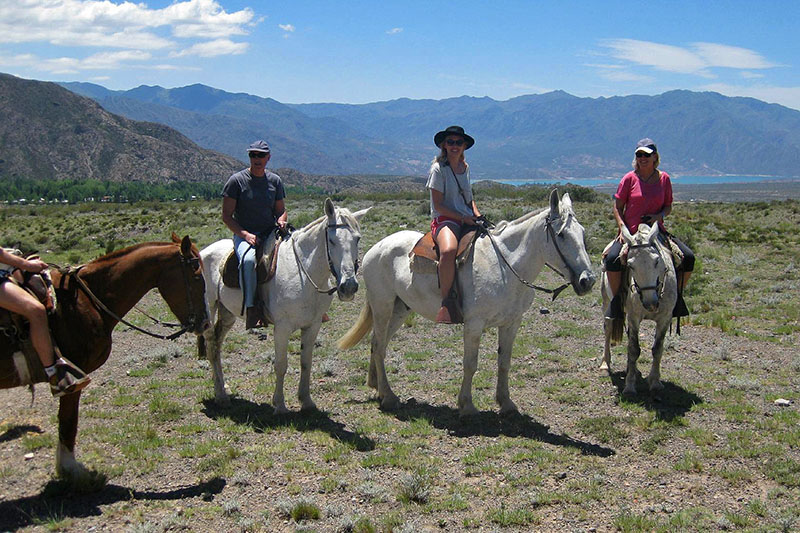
(644, 195)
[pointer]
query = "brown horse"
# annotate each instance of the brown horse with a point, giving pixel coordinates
(82, 328)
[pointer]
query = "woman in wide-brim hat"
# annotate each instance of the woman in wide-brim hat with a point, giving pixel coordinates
(452, 209)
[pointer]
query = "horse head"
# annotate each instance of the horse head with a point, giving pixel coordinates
(183, 287)
(645, 264)
(342, 235)
(567, 237)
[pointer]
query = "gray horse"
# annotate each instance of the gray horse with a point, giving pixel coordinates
(649, 290)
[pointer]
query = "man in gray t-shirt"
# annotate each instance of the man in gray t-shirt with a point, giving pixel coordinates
(252, 205)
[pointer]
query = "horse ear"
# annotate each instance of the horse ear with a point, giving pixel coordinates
(626, 235)
(358, 214)
(554, 203)
(329, 209)
(653, 233)
(186, 245)
(566, 202)
(175, 238)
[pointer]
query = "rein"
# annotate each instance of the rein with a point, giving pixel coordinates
(550, 232)
(331, 267)
(190, 262)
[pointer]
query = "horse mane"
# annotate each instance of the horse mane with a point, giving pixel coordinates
(116, 254)
(503, 224)
(345, 214)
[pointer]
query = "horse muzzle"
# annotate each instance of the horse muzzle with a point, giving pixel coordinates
(347, 289)
(584, 283)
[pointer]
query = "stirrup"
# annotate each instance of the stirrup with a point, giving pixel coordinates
(68, 379)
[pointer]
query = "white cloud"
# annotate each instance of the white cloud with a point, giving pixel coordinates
(750, 75)
(696, 59)
(394, 31)
(286, 27)
(219, 47)
(119, 25)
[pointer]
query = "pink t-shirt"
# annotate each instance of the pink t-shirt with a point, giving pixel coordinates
(643, 198)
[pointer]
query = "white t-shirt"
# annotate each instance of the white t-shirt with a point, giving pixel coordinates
(443, 179)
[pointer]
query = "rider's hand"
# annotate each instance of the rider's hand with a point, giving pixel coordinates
(250, 238)
(35, 266)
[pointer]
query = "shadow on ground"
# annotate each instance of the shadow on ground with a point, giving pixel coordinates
(670, 403)
(57, 502)
(260, 416)
(491, 424)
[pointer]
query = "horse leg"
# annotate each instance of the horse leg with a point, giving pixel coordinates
(654, 379)
(633, 355)
(606, 364)
(385, 324)
(66, 464)
(281, 364)
(505, 343)
(470, 364)
(213, 340)
(307, 336)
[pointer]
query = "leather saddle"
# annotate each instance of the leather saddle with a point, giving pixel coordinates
(266, 265)
(424, 258)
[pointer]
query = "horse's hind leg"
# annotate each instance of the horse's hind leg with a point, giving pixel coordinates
(654, 379)
(633, 355)
(66, 464)
(385, 325)
(213, 338)
(308, 336)
(505, 343)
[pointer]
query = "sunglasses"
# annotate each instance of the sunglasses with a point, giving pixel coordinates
(455, 142)
(258, 155)
(643, 154)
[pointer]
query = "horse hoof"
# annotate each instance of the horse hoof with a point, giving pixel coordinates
(309, 407)
(390, 403)
(629, 392)
(280, 410)
(223, 401)
(604, 366)
(468, 411)
(508, 408)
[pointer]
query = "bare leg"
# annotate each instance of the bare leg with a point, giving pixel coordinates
(448, 246)
(17, 300)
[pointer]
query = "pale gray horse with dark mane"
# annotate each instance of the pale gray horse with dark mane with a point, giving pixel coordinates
(651, 290)
(491, 285)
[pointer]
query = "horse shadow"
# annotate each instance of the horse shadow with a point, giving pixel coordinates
(59, 500)
(15, 432)
(670, 403)
(261, 417)
(490, 424)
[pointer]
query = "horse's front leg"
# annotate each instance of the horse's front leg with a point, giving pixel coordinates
(66, 464)
(472, 337)
(281, 363)
(607, 327)
(633, 355)
(654, 379)
(213, 338)
(308, 337)
(505, 343)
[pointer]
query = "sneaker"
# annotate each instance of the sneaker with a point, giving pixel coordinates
(68, 379)
(680, 308)
(615, 308)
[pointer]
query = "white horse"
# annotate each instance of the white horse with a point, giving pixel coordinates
(651, 290)
(297, 296)
(490, 281)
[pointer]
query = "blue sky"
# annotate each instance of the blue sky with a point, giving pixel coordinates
(367, 51)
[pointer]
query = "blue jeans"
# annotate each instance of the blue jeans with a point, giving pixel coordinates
(247, 270)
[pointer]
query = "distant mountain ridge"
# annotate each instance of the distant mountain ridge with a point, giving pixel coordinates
(533, 136)
(49, 132)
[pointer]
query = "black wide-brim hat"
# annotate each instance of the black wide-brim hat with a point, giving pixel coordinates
(439, 138)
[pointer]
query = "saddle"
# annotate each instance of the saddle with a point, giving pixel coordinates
(424, 259)
(15, 328)
(265, 266)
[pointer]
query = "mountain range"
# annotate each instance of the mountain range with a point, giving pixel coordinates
(549, 135)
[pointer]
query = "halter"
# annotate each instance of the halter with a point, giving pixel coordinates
(188, 265)
(331, 267)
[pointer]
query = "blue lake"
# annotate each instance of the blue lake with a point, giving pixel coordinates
(676, 180)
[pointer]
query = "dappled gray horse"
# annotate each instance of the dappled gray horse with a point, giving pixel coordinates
(649, 290)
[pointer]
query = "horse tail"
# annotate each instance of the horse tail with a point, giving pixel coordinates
(617, 329)
(357, 332)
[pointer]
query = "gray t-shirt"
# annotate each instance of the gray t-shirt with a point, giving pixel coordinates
(443, 179)
(255, 199)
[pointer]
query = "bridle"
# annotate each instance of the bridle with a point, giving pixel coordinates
(188, 266)
(659, 285)
(331, 266)
(551, 233)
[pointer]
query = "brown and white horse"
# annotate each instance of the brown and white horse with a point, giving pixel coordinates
(82, 328)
